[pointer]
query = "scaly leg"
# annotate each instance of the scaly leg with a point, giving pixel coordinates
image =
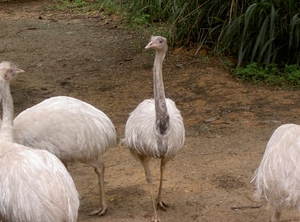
(99, 170)
(145, 162)
(275, 215)
(160, 203)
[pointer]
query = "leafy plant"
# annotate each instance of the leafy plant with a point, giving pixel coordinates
(268, 33)
(293, 74)
(143, 19)
(265, 31)
(159, 10)
(287, 76)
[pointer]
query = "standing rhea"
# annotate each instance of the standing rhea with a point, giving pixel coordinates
(34, 185)
(277, 178)
(155, 128)
(72, 130)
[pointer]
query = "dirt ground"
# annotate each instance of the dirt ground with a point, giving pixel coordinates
(92, 58)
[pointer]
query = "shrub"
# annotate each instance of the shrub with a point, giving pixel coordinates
(262, 31)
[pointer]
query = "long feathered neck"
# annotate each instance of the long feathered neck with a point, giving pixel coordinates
(6, 130)
(162, 115)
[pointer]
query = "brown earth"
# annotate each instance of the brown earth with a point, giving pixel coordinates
(228, 123)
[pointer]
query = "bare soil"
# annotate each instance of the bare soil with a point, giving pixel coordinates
(92, 58)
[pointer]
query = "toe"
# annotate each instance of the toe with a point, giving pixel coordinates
(161, 205)
(99, 212)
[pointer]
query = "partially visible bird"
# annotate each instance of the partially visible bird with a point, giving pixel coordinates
(34, 185)
(277, 179)
(155, 128)
(72, 130)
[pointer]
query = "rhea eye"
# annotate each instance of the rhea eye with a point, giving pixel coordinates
(160, 41)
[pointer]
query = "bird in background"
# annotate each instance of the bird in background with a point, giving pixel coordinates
(34, 184)
(72, 130)
(277, 179)
(155, 128)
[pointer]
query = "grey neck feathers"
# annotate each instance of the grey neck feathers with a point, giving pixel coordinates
(162, 115)
(6, 131)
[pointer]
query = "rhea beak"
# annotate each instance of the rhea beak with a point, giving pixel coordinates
(18, 71)
(149, 45)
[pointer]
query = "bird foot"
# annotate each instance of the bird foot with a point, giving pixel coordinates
(155, 220)
(99, 212)
(161, 205)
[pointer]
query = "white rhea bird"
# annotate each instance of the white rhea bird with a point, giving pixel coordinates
(277, 179)
(155, 128)
(72, 130)
(34, 184)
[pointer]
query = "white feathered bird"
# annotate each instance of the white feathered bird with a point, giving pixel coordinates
(72, 130)
(277, 179)
(155, 128)
(34, 185)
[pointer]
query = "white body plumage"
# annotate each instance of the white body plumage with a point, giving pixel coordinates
(141, 131)
(277, 179)
(35, 186)
(71, 129)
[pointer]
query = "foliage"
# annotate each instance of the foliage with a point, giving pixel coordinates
(142, 19)
(159, 10)
(287, 76)
(259, 33)
(293, 74)
(265, 31)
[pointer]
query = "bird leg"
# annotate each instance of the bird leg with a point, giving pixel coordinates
(160, 203)
(275, 215)
(145, 162)
(99, 169)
